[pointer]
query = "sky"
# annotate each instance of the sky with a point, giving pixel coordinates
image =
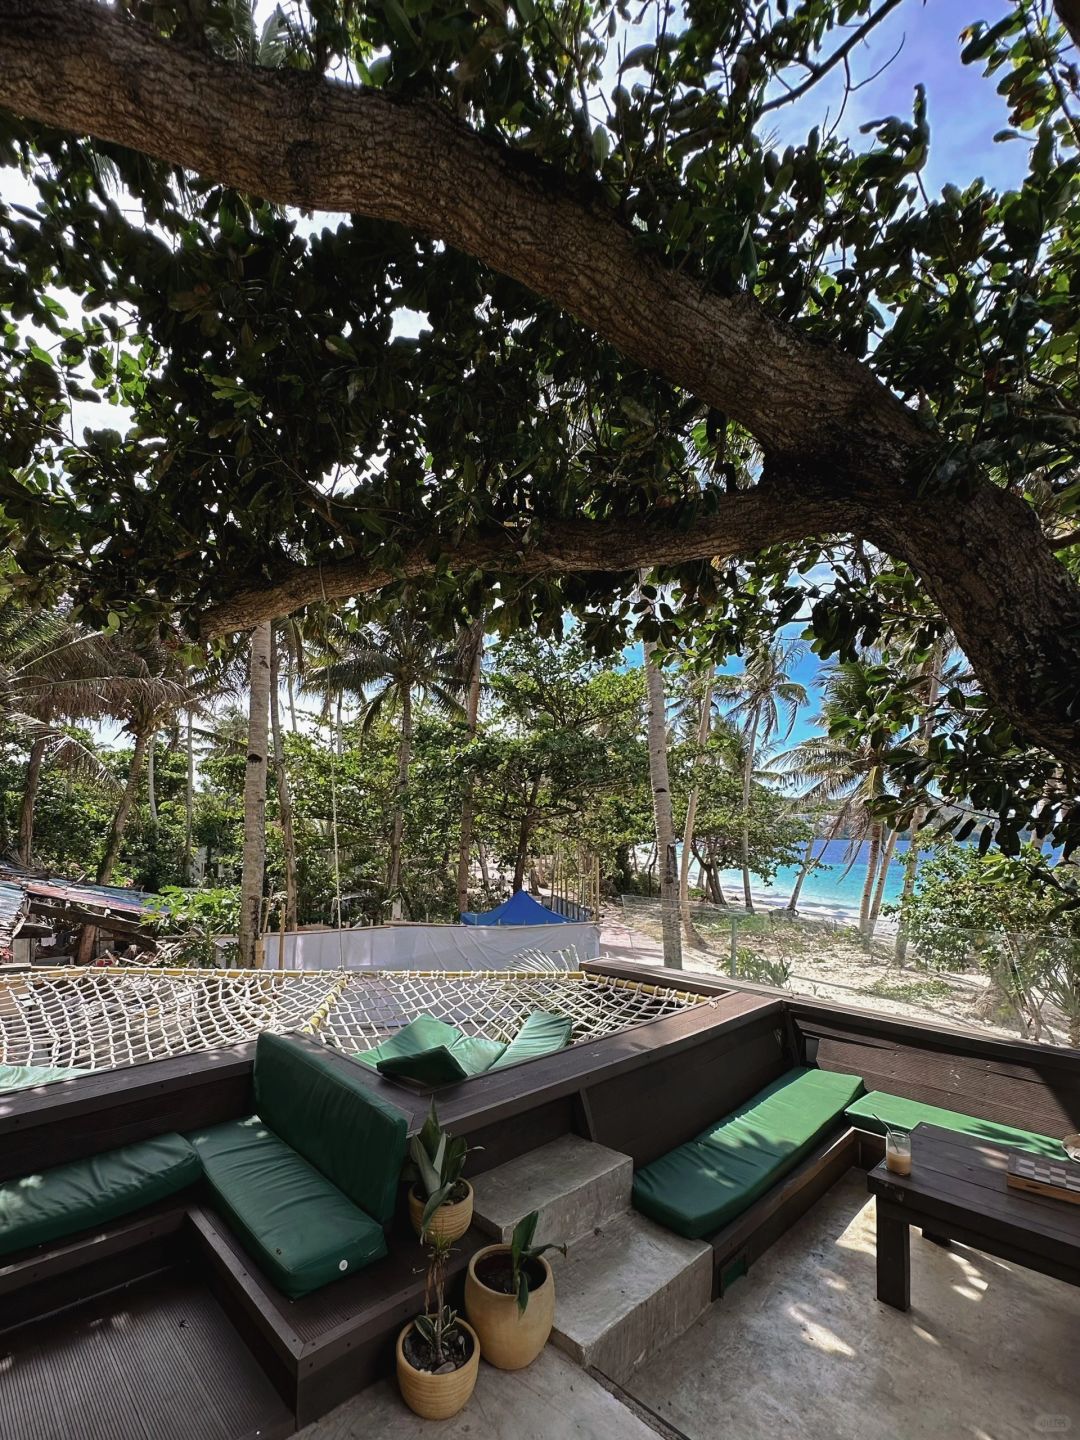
(920, 42)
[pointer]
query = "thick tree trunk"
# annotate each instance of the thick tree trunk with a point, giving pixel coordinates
(285, 809)
(88, 934)
(29, 800)
(690, 933)
(524, 834)
(665, 825)
(468, 804)
(254, 853)
(748, 782)
(834, 438)
(397, 835)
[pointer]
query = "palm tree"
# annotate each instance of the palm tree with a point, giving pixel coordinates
(845, 771)
(253, 865)
(471, 663)
(759, 701)
(386, 666)
(660, 783)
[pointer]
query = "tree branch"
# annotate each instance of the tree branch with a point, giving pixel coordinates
(322, 145)
(839, 54)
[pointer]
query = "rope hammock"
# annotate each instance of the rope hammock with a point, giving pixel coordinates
(105, 1019)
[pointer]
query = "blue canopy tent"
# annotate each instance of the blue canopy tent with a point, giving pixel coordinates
(520, 909)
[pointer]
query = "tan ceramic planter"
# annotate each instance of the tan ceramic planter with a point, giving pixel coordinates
(437, 1397)
(450, 1221)
(508, 1339)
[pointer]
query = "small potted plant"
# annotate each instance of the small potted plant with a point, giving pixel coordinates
(510, 1297)
(438, 1354)
(440, 1201)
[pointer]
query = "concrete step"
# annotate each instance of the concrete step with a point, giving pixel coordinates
(623, 1294)
(575, 1185)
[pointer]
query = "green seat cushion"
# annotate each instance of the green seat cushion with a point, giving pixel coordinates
(541, 1034)
(20, 1077)
(444, 1064)
(92, 1192)
(296, 1225)
(877, 1109)
(701, 1186)
(316, 1103)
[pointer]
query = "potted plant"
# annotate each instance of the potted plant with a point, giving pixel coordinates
(440, 1201)
(438, 1354)
(510, 1297)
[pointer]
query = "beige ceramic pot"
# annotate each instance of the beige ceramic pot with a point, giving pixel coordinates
(450, 1221)
(437, 1397)
(508, 1339)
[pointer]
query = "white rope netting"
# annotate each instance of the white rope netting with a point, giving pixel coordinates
(104, 1019)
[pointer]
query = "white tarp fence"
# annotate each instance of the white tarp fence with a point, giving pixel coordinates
(427, 947)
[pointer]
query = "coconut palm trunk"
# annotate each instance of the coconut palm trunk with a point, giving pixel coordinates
(189, 801)
(918, 819)
(810, 860)
(88, 935)
(468, 802)
(665, 825)
(151, 787)
(285, 809)
(690, 932)
(748, 777)
(254, 851)
(393, 879)
(879, 889)
(29, 800)
(871, 877)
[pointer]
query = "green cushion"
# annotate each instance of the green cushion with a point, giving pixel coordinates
(20, 1077)
(541, 1034)
(444, 1064)
(877, 1109)
(86, 1193)
(311, 1101)
(701, 1186)
(423, 1033)
(298, 1226)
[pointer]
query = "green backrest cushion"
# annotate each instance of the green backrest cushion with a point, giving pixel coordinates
(877, 1109)
(332, 1119)
(541, 1034)
(701, 1186)
(298, 1226)
(21, 1077)
(85, 1193)
(444, 1064)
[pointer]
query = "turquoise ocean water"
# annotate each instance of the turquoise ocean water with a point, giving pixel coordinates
(833, 888)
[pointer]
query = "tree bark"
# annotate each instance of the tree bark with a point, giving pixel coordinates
(690, 933)
(285, 810)
(468, 804)
(748, 781)
(821, 417)
(809, 861)
(911, 860)
(879, 888)
(524, 835)
(397, 835)
(187, 863)
(29, 800)
(151, 793)
(665, 825)
(254, 853)
(871, 876)
(88, 934)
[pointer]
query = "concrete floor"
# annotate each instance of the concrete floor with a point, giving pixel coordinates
(551, 1400)
(802, 1348)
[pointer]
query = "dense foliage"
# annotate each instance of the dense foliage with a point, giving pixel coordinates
(272, 406)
